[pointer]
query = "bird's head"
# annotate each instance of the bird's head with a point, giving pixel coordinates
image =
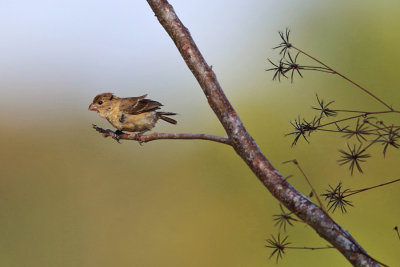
(103, 103)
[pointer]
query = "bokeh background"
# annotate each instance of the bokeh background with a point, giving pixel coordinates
(69, 197)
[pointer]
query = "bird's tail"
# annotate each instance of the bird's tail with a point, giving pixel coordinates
(162, 115)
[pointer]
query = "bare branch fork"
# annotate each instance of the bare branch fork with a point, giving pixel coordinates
(245, 146)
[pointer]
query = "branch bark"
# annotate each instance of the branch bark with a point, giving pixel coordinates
(246, 147)
(141, 138)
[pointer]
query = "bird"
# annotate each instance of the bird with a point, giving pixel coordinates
(131, 114)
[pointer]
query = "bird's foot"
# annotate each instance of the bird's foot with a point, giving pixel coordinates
(117, 135)
(107, 132)
(138, 135)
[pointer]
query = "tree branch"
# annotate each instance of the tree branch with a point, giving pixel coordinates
(247, 148)
(157, 136)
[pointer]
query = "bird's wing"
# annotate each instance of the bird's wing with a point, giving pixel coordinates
(137, 105)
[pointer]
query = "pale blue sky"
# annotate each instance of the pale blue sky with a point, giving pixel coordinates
(59, 54)
(53, 48)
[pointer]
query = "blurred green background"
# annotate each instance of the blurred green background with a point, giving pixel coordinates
(69, 197)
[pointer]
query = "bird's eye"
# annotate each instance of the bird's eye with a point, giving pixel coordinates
(100, 102)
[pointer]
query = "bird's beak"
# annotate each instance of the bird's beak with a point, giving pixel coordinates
(92, 107)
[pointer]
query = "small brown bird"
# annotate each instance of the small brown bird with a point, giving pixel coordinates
(132, 114)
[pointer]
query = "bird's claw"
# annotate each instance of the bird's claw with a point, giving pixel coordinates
(117, 135)
(138, 135)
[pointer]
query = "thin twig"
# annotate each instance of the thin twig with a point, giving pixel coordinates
(397, 231)
(311, 248)
(366, 132)
(158, 136)
(353, 192)
(341, 120)
(365, 112)
(296, 163)
(344, 77)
